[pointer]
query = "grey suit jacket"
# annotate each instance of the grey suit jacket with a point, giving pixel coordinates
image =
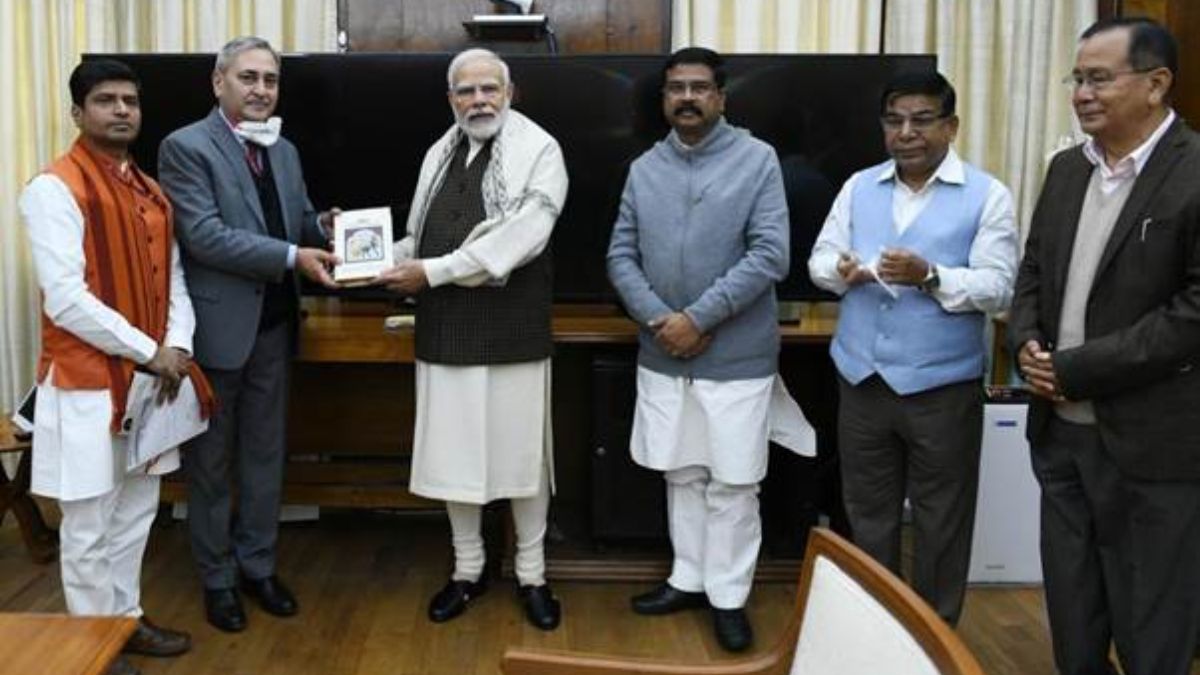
(228, 255)
(1140, 361)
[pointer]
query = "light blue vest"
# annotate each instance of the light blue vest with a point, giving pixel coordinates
(912, 342)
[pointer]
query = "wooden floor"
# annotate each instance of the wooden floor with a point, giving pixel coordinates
(363, 580)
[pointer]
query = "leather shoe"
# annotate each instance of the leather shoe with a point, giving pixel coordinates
(732, 629)
(151, 640)
(453, 599)
(666, 599)
(272, 595)
(223, 609)
(122, 666)
(541, 607)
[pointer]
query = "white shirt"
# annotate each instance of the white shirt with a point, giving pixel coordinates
(75, 455)
(1128, 167)
(55, 226)
(985, 285)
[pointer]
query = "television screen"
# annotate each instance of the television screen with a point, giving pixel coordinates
(363, 122)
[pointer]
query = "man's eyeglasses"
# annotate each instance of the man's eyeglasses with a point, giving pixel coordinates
(699, 88)
(918, 122)
(1099, 79)
(466, 91)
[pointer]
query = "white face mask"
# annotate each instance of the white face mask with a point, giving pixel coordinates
(260, 133)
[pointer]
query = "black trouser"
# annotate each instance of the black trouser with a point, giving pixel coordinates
(925, 446)
(1120, 556)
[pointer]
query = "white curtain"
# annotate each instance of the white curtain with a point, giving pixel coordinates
(40, 42)
(778, 26)
(1006, 60)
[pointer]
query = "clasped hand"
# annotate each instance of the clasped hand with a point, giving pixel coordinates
(896, 266)
(679, 336)
(1037, 367)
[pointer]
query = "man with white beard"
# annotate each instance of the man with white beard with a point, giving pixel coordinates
(487, 197)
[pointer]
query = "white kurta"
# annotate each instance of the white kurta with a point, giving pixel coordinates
(75, 456)
(482, 432)
(723, 426)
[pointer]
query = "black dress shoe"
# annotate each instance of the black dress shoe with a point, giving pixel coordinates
(732, 629)
(272, 595)
(122, 666)
(151, 640)
(541, 607)
(666, 599)
(223, 609)
(453, 599)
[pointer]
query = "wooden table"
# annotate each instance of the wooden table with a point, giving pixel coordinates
(40, 541)
(57, 644)
(334, 331)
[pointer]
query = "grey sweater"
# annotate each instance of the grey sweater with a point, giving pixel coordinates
(704, 230)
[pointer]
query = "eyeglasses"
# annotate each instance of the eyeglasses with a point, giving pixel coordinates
(1099, 79)
(464, 92)
(698, 88)
(917, 122)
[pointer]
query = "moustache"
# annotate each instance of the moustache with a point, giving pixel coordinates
(686, 107)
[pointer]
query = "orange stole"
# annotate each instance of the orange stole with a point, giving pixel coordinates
(127, 248)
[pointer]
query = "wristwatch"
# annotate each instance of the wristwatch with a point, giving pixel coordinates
(931, 281)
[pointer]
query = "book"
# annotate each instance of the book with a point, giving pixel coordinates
(362, 240)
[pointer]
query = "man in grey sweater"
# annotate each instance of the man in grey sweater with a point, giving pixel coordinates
(700, 240)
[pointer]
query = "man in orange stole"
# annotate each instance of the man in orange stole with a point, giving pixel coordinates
(114, 300)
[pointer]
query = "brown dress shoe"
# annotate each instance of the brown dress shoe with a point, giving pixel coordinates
(151, 640)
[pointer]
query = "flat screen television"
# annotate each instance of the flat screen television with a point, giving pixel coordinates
(362, 123)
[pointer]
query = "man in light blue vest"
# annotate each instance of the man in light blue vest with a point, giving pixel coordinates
(921, 248)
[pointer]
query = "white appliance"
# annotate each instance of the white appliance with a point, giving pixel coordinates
(1005, 545)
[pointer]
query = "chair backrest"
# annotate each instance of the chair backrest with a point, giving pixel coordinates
(856, 618)
(852, 617)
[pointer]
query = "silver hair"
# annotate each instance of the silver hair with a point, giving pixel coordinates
(245, 43)
(476, 54)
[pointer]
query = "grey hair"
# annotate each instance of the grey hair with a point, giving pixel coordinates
(245, 43)
(476, 54)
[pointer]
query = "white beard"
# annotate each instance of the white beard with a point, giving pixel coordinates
(482, 130)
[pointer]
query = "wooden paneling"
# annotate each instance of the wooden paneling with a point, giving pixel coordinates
(1182, 18)
(582, 26)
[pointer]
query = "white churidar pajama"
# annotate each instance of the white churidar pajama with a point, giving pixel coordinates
(483, 433)
(710, 438)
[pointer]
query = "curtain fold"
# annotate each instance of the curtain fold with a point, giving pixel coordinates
(778, 26)
(1004, 57)
(40, 43)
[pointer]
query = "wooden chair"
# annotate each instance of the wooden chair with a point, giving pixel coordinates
(40, 541)
(852, 617)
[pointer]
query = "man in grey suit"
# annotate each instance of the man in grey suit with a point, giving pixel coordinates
(1106, 324)
(246, 226)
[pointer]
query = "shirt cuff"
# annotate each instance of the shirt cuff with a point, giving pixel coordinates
(437, 271)
(291, 260)
(145, 348)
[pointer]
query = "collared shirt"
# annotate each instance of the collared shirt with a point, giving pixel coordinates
(292, 248)
(985, 285)
(1128, 167)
